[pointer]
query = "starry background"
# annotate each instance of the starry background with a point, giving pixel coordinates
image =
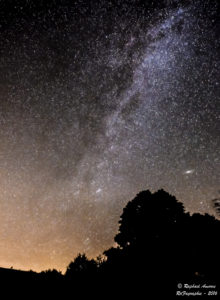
(98, 101)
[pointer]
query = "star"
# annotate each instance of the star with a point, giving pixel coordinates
(98, 190)
(188, 172)
(97, 104)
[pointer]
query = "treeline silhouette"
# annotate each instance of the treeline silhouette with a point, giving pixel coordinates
(159, 245)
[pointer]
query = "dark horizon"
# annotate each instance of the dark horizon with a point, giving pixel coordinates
(157, 244)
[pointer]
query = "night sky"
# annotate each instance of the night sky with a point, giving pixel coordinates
(98, 101)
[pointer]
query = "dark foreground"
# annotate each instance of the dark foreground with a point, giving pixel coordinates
(31, 285)
(163, 252)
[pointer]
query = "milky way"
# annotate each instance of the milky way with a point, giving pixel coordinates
(98, 102)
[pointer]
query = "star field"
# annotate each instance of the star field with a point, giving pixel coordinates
(98, 101)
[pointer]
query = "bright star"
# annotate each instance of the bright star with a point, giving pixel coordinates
(187, 172)
(98, 191)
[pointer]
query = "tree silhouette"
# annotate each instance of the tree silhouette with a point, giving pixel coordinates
(51, 275)
(149, 219)
(81, 266)
(150, 242)
(159, 239)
